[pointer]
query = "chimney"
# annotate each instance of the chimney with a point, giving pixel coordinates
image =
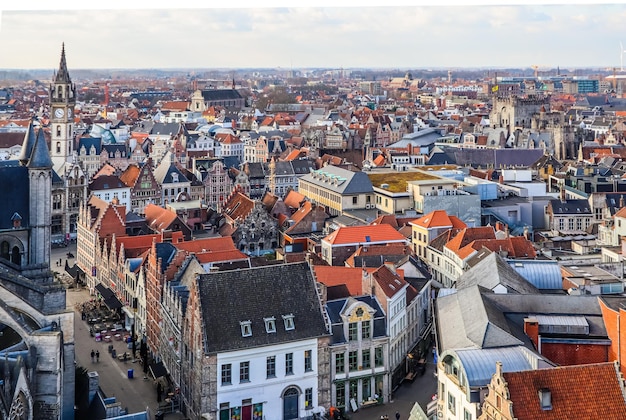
(562, 194)
(531, 329)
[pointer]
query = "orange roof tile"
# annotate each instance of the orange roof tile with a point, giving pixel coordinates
(468, 235)
(157, 217)
(590, 391)
(228, 255)
(339, 276)
(363, 234)
(238, 206)
(439, 219)
(389, 282)
(293, 199)
(129, 176)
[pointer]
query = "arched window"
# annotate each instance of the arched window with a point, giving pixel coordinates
(4, 250)
(58, 131)
(58, 147)
(16, 258)
(60, 92)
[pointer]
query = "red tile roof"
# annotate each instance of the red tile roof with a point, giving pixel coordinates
(439, 219)
(238, 206)
(577, 392)
(338, 276)
(221, 256)
(293, 199)
(360, 235)
(207, 245)
(468, 235)
(388, 281)
(129, 176)
(158, 218)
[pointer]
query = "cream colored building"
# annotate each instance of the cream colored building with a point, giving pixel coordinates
(338, 189)
(391, 190)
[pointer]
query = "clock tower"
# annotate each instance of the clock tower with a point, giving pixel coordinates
(62, 102)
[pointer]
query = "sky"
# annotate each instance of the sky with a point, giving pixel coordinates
(402, 34)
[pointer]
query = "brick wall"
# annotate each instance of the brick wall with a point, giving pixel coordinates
(575, 354)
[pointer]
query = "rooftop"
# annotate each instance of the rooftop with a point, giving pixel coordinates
(397, 181)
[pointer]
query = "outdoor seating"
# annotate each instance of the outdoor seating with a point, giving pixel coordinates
(107, 338)
(118, 337)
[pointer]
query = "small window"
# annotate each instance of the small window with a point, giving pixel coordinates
(246, 328)
(289, 324)
(226, 374)
(308, 398)
(289, 364)
(244, 372)
(308, 360)
(270, 325)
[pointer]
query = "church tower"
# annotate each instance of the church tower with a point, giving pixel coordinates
(62, 102)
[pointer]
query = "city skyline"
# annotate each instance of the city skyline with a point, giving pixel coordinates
(398, 36)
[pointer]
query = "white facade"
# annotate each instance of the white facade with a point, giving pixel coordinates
(122, 194)
(261, 387)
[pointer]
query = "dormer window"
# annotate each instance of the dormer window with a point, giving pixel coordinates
(270, 324)
(246, 328)
(289, 324)
(545, 399)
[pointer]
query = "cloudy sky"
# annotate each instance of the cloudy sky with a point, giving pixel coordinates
(399, 35)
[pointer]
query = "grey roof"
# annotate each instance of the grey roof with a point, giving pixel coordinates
(570, 207)
(479, 365)
(255, 170)
(495, 157)
(220, 94)
(423, 137)
(340, 180)
(543, 274)
(302, 166)
(40, 156)
(227, 298)
(106, 182)
(27, 145)
(336, 307)
(165, 128)
(163, 172)
(88, 142)
(165, 252)
(466, 320)
(14, 193)
(492, 271)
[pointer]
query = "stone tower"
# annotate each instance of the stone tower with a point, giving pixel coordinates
(62, 102)
(40, 182)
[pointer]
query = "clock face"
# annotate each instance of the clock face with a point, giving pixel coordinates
(59, 113)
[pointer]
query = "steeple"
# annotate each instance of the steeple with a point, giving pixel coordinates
(40, 157)
(27, 146)
(62, 75)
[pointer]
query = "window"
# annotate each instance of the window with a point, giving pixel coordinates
(340, 363)
(270, 325)
(352, 331)
(271, 367)
(354, 200)
(353, 360)
(308, 398)
(246, 328)
(365, 330)
(451, 403)
(226, 374)
(289, 324)
(58, 147)
(244, 372)
(308, 360)
(340, 394)
(466, 414)
(366, 361)
(378, 356)
(289, 364)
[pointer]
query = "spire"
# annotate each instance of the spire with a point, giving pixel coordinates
(62, 75)
(40, 157)
(27, 146)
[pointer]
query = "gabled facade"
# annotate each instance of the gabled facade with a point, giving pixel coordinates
(231, 350)
(144, 188)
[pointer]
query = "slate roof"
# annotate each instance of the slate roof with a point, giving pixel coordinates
(40, 157)
(493, 271)
(220, 94)
(269, 291)
(106, 182)
(572, 207)
(340, 180)
(14, 193)
(167, 167)
(495, 157)
(88, 142)
(335, 308)
(601, 397)
(111, 149)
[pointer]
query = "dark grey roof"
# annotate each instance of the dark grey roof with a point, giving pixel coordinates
(111, 148)
(302, 166)
(40, 156)
(227, 298)
(231, 161)
(570, 207)
(220, 94)
(165, 252)
(14, 193)
(495, 157)
(106, 182)
(492, 271)
(165, 128)
(255, 170)
(88, 142)
(27, 145)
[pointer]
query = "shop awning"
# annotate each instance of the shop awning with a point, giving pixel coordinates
(157, 370)
(110, 300)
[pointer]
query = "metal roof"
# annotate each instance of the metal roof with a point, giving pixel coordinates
(480, 364)
(574, 320)
(542, 274)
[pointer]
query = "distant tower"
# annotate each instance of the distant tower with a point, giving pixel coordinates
(40, 188)
(62, 102)
(449, 76)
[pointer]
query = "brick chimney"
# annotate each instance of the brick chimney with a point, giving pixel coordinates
(531, 329)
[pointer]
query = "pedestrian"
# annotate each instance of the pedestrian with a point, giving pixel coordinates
(97, 356)
(93, 354)
(159, 391)
(397, 415)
